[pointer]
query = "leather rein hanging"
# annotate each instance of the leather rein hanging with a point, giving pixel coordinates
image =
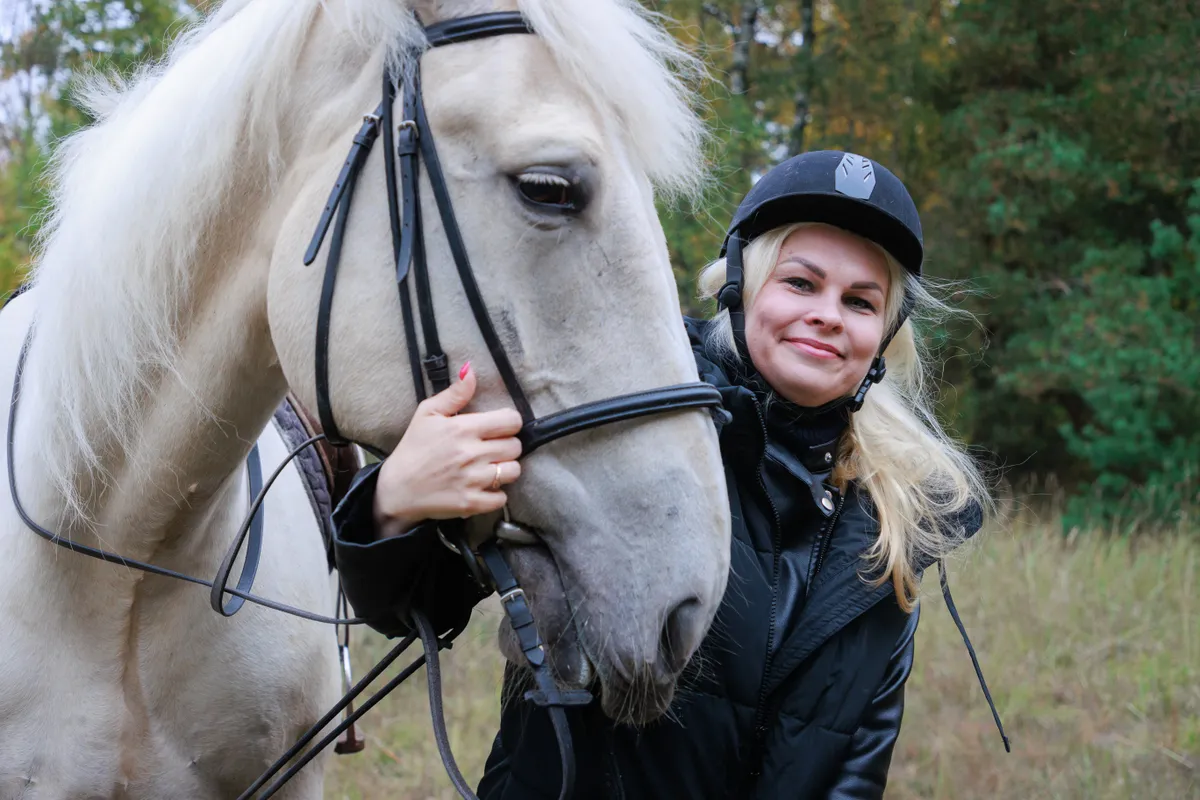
(412, 141)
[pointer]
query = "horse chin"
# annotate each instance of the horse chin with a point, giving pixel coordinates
(637, 702)
(631, 699)
(538, 574)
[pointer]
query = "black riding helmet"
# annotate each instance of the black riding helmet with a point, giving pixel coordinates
(840, 189)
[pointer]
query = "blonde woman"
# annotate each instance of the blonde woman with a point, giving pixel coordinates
(843, 487)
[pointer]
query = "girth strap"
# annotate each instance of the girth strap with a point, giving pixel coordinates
(253, 531)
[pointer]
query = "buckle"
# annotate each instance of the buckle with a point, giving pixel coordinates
(514, 595)
(878, 370)
(407, 134)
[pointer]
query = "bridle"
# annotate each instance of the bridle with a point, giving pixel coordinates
(412, 141)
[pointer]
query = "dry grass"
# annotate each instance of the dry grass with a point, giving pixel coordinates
(1091, 647)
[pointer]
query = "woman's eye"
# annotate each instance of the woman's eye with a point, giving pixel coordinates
(860, 304)
(804, 284)
(551, 192)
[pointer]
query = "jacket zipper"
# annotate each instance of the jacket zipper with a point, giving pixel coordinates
(760, 714)
(825, 540)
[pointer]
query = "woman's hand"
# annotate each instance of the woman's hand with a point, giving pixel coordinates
(448, 465)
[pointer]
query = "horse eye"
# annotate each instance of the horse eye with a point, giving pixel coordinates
(551, 191)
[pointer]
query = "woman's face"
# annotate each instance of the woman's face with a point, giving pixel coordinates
(816, 325)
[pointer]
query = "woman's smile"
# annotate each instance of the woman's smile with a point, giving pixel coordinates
(815, 349)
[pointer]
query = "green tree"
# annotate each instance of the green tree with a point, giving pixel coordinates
(1070, 156)
(49, 44)
(803, 75)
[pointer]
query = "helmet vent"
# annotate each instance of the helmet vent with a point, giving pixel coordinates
(855, 176)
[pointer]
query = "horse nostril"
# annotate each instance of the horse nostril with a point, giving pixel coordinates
(681, 635)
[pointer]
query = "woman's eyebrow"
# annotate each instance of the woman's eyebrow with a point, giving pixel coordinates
(820, 273)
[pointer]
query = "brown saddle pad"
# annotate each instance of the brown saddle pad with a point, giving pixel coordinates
(326, 470)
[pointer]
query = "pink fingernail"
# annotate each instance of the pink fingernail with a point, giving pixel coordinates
(462, 373)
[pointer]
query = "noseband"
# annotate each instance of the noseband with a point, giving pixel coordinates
(412, 141)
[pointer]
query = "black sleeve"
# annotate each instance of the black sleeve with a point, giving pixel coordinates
(865, 769)
(384, 579)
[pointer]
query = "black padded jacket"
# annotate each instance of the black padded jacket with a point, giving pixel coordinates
(799, 688)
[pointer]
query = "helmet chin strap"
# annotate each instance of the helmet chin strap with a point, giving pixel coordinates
(874, 375)
(729, 298)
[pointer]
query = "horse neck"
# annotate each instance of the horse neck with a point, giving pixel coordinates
(190, 431)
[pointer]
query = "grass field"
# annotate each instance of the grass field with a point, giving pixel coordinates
(1091, 646)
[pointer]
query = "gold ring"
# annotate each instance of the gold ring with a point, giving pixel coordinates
(496, 480)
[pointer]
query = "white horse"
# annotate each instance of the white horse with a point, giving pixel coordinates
(171, 311)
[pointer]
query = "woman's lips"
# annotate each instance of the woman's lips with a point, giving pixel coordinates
(815, 349)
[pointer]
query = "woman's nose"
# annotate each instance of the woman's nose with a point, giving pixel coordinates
(824, 315)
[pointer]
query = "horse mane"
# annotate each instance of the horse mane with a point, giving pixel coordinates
(135, 194)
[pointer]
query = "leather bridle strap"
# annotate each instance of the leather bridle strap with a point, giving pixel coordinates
(297, 751)
(462, 262)
(480, 26)
(435, 363)
(547, 694)
(403, 224)
(339, 201)
(252, 528)
(605, 412)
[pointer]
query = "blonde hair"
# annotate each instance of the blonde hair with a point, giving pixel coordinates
(921, 481)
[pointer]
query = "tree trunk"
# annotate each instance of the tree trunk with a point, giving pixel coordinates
(743, 32)
(806, 60)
